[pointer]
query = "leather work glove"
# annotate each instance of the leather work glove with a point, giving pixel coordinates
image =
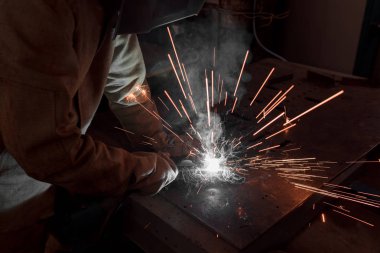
(150, 180)
(176, 148)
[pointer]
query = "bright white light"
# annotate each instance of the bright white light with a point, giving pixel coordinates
(212, 164)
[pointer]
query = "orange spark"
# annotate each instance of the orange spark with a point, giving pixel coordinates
(207, 100)
(274, 106)
(316, 106)
(352, 217)
(150, 138)
(323, 218)
(176, 135)
(237, 144)
(163, 103)
(159, 117)
(220, 91)
(192, 127)
(241, 72)
(212, 87)
(338, 207)
(294, 159)
(225, 100)
(218, 82)
(146, 143)
(175, 52)
(130, 97)
(268, 124)
(283, 130)
(184, 110)
(121, 129)
(151, 113)
(189, 136)
(187, 79)
(286, 92)
(262, 118)
(269, 104)
(192, 104)
(176, 74)
(262, 86)
(233, 108)
(337, 195)
(171, 100)
(270, 148)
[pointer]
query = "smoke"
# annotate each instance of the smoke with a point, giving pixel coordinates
(209, 135)
(207, 46)
(199, 38)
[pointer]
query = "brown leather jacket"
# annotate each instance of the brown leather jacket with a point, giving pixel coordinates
(54, 62)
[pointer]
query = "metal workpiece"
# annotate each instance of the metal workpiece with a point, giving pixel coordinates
(265, 210)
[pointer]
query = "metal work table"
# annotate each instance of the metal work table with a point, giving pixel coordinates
(266, 210)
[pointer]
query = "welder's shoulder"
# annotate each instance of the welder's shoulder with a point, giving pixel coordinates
(36, 40)
(43, 12)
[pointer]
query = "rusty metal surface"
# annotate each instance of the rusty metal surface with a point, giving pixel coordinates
(340, 131)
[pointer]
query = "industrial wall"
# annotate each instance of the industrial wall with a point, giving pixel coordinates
(324, 33)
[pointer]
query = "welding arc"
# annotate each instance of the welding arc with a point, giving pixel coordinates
(315, 107)
(262, 86)
(175, 52)
(241, 72)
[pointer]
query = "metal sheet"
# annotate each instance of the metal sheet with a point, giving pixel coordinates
(341, 131)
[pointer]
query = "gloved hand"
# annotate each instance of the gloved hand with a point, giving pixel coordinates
(151, 179)
(176, 148)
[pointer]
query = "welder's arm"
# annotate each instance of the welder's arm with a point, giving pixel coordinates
(38, 118)
(130, 100)
(129, 95)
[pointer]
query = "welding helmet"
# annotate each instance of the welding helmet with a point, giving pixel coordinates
(139, 16)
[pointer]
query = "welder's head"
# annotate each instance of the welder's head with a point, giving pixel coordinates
(139, 16)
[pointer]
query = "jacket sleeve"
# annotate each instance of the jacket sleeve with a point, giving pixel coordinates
(38, 119)
(129, 95)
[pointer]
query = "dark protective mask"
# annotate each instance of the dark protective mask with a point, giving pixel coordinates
(140, 16)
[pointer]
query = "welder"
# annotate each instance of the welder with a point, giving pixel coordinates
(57, 59)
